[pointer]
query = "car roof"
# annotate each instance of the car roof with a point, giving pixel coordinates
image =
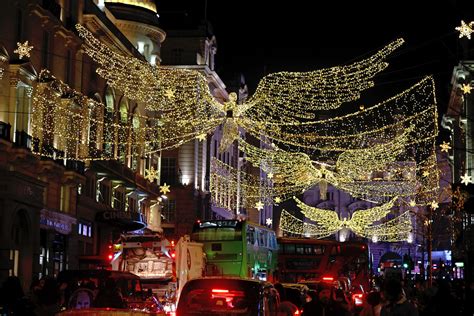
(299, 286)
(264, 283)
(100, 274)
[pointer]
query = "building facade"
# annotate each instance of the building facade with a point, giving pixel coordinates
(458, 121)
(60, 213)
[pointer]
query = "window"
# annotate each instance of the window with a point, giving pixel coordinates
(64, 200)
(119, 200)
(169, 174)
(329, 196)
(104, 193)
(132, 204)
(168, 211)
(23, 109)
(84, 228)
(45, 50)
(250, 235)
(69, 63)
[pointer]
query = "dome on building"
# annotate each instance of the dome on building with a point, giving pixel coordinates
(147, 4)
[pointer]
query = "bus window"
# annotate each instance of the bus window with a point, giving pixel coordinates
(300, 249)
(289, 248)
(308, 250)
(217, 234)
(261, 238)
(250, 235)
(318, 250)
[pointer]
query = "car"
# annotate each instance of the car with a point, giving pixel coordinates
(227, 295)
(81, 287)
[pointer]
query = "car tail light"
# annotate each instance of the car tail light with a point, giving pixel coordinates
(357, 299)
(297, 312)
(328, 279)
(219, 291)
(171, 314)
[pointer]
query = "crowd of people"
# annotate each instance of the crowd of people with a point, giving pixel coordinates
(391, 297)
(46, 297)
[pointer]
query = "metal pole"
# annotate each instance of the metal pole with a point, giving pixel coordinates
(430, 245)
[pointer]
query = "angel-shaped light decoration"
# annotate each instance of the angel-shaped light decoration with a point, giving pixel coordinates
(187, 108)
(363, 223)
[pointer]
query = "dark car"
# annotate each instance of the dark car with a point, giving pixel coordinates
(227, 296)
(82, 288)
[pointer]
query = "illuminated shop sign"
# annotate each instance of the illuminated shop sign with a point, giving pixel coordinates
(56, 221)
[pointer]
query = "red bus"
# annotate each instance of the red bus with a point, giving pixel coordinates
(315, 259)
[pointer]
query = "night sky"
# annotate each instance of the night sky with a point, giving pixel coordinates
(260, 37)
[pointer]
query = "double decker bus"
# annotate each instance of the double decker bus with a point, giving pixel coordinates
(315, 259)
(237, 248)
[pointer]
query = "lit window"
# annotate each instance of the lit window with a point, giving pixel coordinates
(84, 229)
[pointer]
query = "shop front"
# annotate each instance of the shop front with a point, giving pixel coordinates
(55, 231)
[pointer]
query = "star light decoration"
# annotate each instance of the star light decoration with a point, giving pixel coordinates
(169, 93)
(23, 49)
(466, 88)
(151, 175)
(259, 205)
(434, 205)
(201, 137)
(445, 147)
(269, 221)
(165, 188)
(466, 179)
(465, 29)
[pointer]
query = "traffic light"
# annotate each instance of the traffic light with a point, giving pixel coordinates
(172, 251)
(110, 252)
(407, 262)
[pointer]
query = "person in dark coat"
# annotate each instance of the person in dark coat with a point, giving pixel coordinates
(11, 294)
(397, 303)
(109, 296)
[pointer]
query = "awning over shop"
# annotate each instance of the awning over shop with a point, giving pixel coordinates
(125, 221)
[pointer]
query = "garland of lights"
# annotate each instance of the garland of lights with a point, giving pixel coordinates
(80, 127)
(394, 230)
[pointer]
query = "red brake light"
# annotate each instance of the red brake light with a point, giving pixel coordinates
(219, 291)
(111, 257)
(297, 312)
(173, 255)
(357, 298)
(328, 279)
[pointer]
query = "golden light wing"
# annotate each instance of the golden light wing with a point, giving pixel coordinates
(295, 95)
(356, 164)
(324, 218)
(364, 218)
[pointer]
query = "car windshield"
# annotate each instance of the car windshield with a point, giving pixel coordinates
(219, 297)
